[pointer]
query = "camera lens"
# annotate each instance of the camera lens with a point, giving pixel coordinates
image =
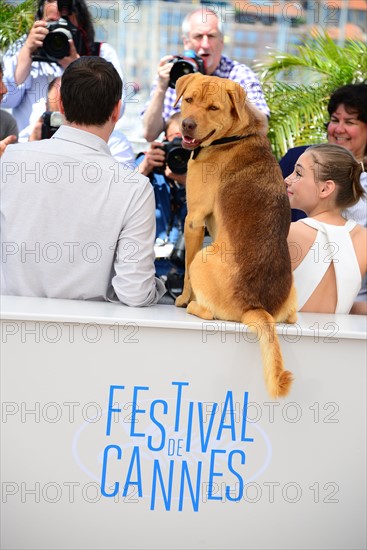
(56, 43)
(180, 68)
(177, 160)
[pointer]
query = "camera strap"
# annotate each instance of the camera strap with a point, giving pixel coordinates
(221, 141)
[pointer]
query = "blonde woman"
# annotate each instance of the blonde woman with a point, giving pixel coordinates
(328, 253)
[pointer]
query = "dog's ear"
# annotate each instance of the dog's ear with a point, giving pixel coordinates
(182, 84)
(237, 97)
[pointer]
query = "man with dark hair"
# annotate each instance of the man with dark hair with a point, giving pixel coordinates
(89, 91)
(27, 74)
(120, 147)
(74, 223)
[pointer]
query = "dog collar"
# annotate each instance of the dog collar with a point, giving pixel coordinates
(219, 142)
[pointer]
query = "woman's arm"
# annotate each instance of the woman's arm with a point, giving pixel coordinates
(295, 244)
(359, 308)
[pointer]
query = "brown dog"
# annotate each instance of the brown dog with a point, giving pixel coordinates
(235, 189)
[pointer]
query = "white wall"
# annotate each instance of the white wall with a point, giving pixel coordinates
(302, 483)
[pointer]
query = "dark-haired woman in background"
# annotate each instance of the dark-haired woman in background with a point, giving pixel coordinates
(347, 127)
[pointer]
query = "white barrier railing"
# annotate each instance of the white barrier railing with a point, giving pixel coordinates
(149, 428)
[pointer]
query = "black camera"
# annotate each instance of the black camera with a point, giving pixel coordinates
(56, 43)
(176, 156)
(51, 121)
(177, 256)
(188, 63)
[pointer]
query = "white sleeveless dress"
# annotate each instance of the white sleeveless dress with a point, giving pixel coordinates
(333, 243)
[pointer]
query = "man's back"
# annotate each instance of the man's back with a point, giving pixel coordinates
(73, 220)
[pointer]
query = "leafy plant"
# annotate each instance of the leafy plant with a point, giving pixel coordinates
(15, 20)
(298, 87)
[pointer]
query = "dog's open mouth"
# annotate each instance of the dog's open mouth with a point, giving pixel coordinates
(191, 143)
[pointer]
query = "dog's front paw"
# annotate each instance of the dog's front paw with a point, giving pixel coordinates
(185, 298)
(182, 300)
(200, 311)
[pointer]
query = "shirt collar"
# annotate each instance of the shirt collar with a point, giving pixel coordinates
(81, 137)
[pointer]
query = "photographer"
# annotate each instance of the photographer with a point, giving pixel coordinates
(27, 78)
(169, 191)
(203, 33)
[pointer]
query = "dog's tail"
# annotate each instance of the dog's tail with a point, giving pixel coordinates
(278, 381)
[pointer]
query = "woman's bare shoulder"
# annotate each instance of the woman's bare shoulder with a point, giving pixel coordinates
(359, 235)
(299, 230)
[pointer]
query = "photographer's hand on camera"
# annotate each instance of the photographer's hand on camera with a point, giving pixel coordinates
(155, 157)
(34, 41)
(164, 69)
(36, 36)
(36, 133)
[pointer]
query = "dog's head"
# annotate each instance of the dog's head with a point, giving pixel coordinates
(212, 108)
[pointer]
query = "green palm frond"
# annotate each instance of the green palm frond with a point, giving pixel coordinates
(15, 20)
(319, 55)
(297, 87)
(298, 114)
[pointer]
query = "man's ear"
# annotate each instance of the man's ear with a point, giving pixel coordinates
(186, 42)
(61, 107)
(327, 188)
(116, 111)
